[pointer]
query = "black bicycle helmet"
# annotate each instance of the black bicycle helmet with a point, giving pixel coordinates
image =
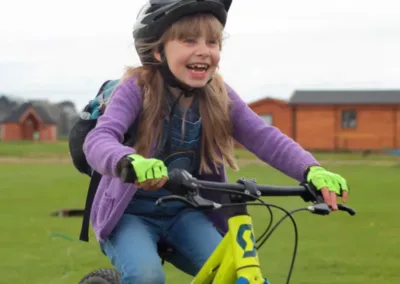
(157, 16)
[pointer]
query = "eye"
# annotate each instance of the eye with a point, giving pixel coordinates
(213, 42)
(189, 41)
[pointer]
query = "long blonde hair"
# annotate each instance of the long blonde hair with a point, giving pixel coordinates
(216, 143)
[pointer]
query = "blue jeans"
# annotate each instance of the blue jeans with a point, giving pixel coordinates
(132, 246)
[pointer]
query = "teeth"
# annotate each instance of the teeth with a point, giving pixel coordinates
(198, 65)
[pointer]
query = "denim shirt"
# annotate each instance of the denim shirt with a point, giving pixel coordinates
(184, 153)
(103, 151)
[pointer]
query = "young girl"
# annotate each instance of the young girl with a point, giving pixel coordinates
(188, 119)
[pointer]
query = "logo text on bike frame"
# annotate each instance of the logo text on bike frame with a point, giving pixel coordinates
(243, 243)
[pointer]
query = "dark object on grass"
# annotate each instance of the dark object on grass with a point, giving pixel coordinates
(68, 213)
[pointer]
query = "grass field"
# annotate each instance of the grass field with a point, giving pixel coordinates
(34, 150)
(332, 249)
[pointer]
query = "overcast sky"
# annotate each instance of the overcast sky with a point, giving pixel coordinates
(66, 49)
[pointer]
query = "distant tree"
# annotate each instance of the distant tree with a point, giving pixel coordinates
(63, 124)
(7, 104)
(68, 106)
(68, 116)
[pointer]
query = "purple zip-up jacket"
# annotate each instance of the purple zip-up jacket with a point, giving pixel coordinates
(103, 149)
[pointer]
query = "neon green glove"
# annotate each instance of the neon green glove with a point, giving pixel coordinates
(321, 178)
(146, 169)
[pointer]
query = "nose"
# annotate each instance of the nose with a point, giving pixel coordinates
(203, 49)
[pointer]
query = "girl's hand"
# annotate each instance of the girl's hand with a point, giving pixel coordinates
(152, 184)
(330, 184)
(149, 174)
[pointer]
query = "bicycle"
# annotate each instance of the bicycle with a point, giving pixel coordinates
(235, 260)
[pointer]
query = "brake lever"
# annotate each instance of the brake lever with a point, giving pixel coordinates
(349, 210)
(205, 203)
(170, 198)
(324, 209)
(195, 201)
(319, 208)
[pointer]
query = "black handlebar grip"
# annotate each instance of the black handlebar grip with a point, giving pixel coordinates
(312, 194)
(175, 182)
(172, 182)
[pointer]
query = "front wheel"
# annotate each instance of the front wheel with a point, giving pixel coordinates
(102, 276)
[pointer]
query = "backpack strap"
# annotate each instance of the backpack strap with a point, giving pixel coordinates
(94, 183)
(129, 140)
(103, 86)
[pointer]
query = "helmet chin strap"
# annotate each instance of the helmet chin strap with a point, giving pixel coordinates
(171, 80)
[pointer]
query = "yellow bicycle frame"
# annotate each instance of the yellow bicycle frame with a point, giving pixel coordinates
(235, 257)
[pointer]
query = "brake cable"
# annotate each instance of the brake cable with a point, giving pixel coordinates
(262, 202)
(265, 234)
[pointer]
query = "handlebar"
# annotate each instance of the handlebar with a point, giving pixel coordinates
(186, 188)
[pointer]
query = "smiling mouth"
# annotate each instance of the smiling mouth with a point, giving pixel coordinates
(198, 67)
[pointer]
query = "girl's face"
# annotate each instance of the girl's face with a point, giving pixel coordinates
(193, 61)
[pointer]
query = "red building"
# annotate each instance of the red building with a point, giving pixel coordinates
(28, 122)
(337, 120)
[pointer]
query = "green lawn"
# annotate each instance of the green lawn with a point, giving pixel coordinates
(331, 156)
(332, 249)
(28, 149)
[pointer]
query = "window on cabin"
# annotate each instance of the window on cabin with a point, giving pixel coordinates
(349, 119)
(267, 118)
